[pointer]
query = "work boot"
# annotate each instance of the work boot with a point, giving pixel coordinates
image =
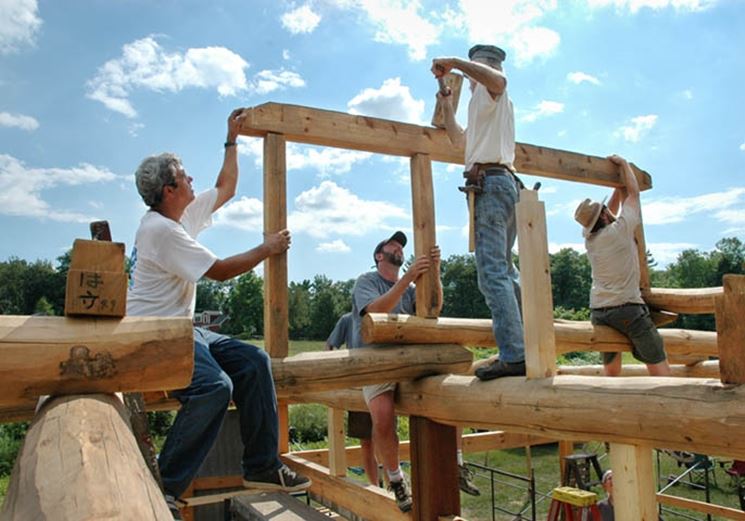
(403, 495)
(283, 479)
(174, 505)
(498, 369)
(465, 481)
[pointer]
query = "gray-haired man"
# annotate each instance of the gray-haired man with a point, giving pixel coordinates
(167, 262)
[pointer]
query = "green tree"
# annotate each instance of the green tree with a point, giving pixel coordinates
(245, 305)
(212, 295)
(329, 300)
(460, 288)
(571, 279)
(299, 309)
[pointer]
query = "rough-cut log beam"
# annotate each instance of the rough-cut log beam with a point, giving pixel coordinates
(690, 414)
(698, 301)
(344, 368)
(708, 369)
(55, 355)
(80, 461)
(570, 335)
(337, 129)
(367, 501)
(700, 506)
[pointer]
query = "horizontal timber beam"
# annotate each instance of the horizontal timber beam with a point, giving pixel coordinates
(700, 506)
(338, 129)
(344, 368)
(571, 336)
(58, 356)
(691, 414)
(697, 301)
(707, 369)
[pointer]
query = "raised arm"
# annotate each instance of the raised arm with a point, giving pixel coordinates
(454, 131)
(491, 78)
(631, 186)
(388, 300)
(227, 179)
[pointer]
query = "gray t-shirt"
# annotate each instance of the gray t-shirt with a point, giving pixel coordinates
(342, 333)
(370, 286)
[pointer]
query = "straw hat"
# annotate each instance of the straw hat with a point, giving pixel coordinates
(588, 213)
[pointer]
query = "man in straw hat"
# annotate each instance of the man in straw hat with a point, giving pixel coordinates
(489, 143)
(615, 298)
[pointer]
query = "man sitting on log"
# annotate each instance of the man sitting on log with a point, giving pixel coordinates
(615, 297)
(167, 262)
(382, 291)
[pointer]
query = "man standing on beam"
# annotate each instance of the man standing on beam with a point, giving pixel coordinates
(489, 141)
(167, 262)
(383, 291)
(615, 298)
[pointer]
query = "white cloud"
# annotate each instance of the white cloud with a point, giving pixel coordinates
(268, 81)
(638, 128)
(285, 54)
(21, 188)
(513, 22)
(330, 209)
(19, 23)
(666, 252)
(336, 246)
(635, 5)
(247, 213)
(18, 121)
(668, 210)
(391, 101)
(145, 64)
(579, 77)
(326, 160)
(301, 20)
(687, 94)
(543, 109)
(742, 147)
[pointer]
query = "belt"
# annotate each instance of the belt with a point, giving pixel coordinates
(609, 308)
(488, 168)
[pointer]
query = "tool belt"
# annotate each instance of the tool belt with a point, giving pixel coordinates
(475, 175)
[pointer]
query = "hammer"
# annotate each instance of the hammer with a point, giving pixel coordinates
(471, 191)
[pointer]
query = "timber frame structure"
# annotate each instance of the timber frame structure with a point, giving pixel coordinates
(703, 412)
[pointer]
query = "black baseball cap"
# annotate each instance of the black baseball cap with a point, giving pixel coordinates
(399, 237)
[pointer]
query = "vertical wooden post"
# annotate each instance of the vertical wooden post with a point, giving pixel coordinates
(641, 247)
(276, 339)
(423, 210)
(434, 469)
(535, 286)
(337, 449)
(730, 310)
(634, 490)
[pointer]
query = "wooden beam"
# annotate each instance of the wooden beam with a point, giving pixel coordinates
(567, 407)
(535, 286)
(730, 310)
(337, 455)
(80, 460)
(698, 301)
(472, 443)
(707, 369)
(367, 501)
(337, 129)
(344, 368)
(700, 506)
(634, 490)
(423, 213)
(276, 300)
(55, 355)
(570, 335)
(434, 469)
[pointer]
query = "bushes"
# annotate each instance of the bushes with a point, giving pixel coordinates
(11, 437)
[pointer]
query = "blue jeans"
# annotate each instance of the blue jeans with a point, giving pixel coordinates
(499, 280)
(224, 368)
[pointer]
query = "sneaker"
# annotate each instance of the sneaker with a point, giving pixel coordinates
(403, 495)
(283, 479)
(498, 369)
(465, 481)
(173, 506)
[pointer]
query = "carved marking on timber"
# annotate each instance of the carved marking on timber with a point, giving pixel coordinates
(81, 363)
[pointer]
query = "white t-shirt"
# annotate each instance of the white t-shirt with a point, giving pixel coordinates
(615, 261)
(167, 261)
(490, 135)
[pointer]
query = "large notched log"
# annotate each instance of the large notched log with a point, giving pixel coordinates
(55, 355)
(696, 301)
(80, 461)
(382, 136)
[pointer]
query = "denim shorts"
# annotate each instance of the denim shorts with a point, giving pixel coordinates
(634, 321)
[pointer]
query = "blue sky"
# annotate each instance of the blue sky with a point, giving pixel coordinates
(88, 88)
